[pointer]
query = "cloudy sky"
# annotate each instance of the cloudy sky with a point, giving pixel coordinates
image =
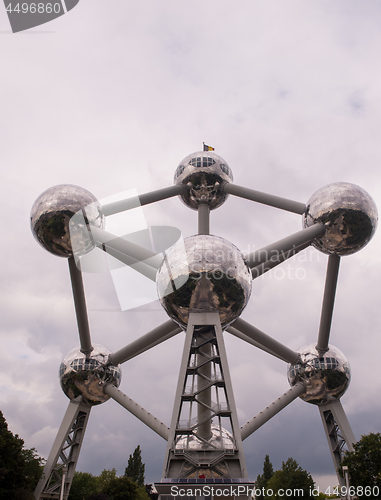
(111, 97)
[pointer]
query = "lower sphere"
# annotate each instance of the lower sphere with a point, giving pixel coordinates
(220, 439)
(204, 273)
(84, 376)
(326, 377)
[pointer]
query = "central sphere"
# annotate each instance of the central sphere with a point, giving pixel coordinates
(204, 273)
(85, 376)
(326, 377)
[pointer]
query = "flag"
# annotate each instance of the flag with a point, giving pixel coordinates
(208, 148)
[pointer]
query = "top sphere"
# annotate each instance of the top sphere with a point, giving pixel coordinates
(205, 172)
(349, 214)
(50, 217)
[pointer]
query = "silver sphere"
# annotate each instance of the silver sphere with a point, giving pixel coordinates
(81, 376)
(221, 439)
(326, 377)
(349, 214)
(204, 172)
(204, 273)
(50, 217)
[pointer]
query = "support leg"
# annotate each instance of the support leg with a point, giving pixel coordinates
(338, 432)
(64, 454)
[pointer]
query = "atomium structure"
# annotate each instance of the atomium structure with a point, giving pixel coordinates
(203, 283)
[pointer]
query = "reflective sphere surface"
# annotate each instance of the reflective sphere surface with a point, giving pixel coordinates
(204, 273)
(221, 439)
(326, 377)
(205, 172)
(349, 213)
(81, 376)
(51, 214)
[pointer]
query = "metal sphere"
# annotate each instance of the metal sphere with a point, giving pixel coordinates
(326, 377)
(84, 376)
(204, 273)
(349, 214)
(221, 439)
(204, 172)
(50, 217)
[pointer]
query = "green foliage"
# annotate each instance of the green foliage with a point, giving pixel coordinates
(268, 472)
(135, 468)
(290, 477)
(105, 477)
(364, 463)
(20, 469)
(106, 486)
(141, 493)
(83, 486)
(121, 488)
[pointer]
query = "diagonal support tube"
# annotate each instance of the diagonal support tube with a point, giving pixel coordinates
(80, 307)
(285, 245)
(266, 341)
(270, 264)
(262, 417)
(233, 331)
(141, 267)
(266, 199)
(142, 414)
(156, 336)
(107, 240)
(143, 199)
(328, 303)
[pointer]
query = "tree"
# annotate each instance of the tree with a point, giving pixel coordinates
(268, 472)
(121, 488)
(290, 482)
(20, 469)
(364, 463)
(135, 467)
(83, 486)
(105, 477)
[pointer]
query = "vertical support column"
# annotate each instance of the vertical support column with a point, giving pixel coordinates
(328, 303)
(59, 469)
(204, 397)
(80, 307)
(196, 448)
(203, 219)
(338, 433)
